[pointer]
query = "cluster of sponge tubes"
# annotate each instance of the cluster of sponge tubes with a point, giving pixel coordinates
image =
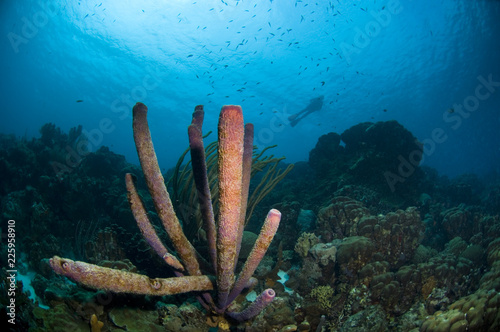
(224, 238)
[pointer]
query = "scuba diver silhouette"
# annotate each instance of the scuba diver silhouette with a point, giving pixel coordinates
(314, 105)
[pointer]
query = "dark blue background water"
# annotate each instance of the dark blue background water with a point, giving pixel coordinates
(422, 63)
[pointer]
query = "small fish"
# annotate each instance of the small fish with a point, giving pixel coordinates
(322, 83)
(79, 101)
(451, 110)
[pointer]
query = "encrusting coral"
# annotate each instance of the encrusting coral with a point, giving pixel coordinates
(234, 166)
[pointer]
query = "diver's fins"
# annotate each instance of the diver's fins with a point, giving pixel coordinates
(294, 122)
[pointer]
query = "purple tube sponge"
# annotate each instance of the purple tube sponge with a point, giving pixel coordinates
(235, 151)
(230, 160)
(255, 307)
(258, 251)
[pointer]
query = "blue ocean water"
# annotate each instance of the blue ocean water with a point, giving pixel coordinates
(432, 66)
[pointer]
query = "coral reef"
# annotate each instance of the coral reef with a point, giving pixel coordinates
(479, 311)
(381, 263)
(396, 235)
(369, 157)
(352, 254)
